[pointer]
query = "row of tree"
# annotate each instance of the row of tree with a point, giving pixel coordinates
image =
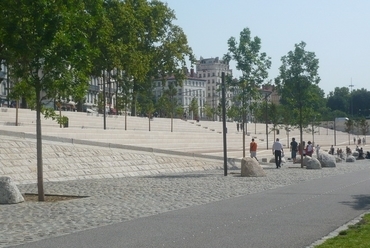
(52, 48)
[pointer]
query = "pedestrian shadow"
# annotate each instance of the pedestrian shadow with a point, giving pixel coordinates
(181, 176)
(361, 202)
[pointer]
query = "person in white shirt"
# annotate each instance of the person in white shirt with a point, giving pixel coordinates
(277, 150)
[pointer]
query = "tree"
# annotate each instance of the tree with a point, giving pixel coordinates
(233, 113)
(162, 46)
(349, 125)
(363, 126)
(194, 107)
(253, 64)
(339, 99)
(297, 85)
(274, 117)
(147, 103)
(170, 101)
(49, 51)
(360, 100)
(208, 110)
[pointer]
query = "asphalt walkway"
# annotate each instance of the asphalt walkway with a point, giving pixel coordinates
(292, 207)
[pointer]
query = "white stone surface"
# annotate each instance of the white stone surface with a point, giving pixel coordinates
(312, 164)
(251, 168)
(350, 159)
(327, 160)
(9, 193)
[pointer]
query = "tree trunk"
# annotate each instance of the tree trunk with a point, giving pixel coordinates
(40, 179)
(16, 112)
(149, 121)
(301, 147)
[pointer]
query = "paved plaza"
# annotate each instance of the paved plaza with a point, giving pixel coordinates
(143, 198)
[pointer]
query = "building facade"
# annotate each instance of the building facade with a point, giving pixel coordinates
(210, 69)
(191, 88)
(4, 87)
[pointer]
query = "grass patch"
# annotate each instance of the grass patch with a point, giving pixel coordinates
(357, 235)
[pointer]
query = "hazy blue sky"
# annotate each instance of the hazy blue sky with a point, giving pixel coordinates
(337, 31)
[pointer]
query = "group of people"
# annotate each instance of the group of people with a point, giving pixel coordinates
(340, 153)
(359, 141)
(302, 149)
(278, 150)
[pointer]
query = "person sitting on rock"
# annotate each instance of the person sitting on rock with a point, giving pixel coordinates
(360, 154)
(348, 151)
(367, 155)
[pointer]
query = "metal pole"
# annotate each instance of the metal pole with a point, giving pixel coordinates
(224, 122)
(267, 134)
(335, 134)
(104, 103)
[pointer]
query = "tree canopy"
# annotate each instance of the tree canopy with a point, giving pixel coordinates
(253, 64)
(53, 47)
(297, 84)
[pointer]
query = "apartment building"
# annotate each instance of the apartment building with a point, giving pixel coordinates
(210, 69)
(192, 87)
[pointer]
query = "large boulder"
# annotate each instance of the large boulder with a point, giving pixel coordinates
(327, 160)
(312, 163)
(9, 193)
(338, 159)
(306, 159)
(350, 159)
(251, 168)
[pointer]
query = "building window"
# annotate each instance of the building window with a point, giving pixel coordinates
(209, 74)
(213, 74)
(200, 75)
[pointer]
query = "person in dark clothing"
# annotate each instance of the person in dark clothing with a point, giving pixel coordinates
(277, 150)
(294, 149)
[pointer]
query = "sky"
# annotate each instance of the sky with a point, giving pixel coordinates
(337, 31)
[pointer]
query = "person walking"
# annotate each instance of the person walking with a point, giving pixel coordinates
(294, 149)
(309, 149)
(253, 149)
(331, 151)
(277, 150)
(317, 150)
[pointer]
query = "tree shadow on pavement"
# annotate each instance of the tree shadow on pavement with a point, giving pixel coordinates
(361, 202)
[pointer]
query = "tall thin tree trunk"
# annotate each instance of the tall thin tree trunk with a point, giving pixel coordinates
(125, 116)
(149, 121)
(16, 112)
(40, 177)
